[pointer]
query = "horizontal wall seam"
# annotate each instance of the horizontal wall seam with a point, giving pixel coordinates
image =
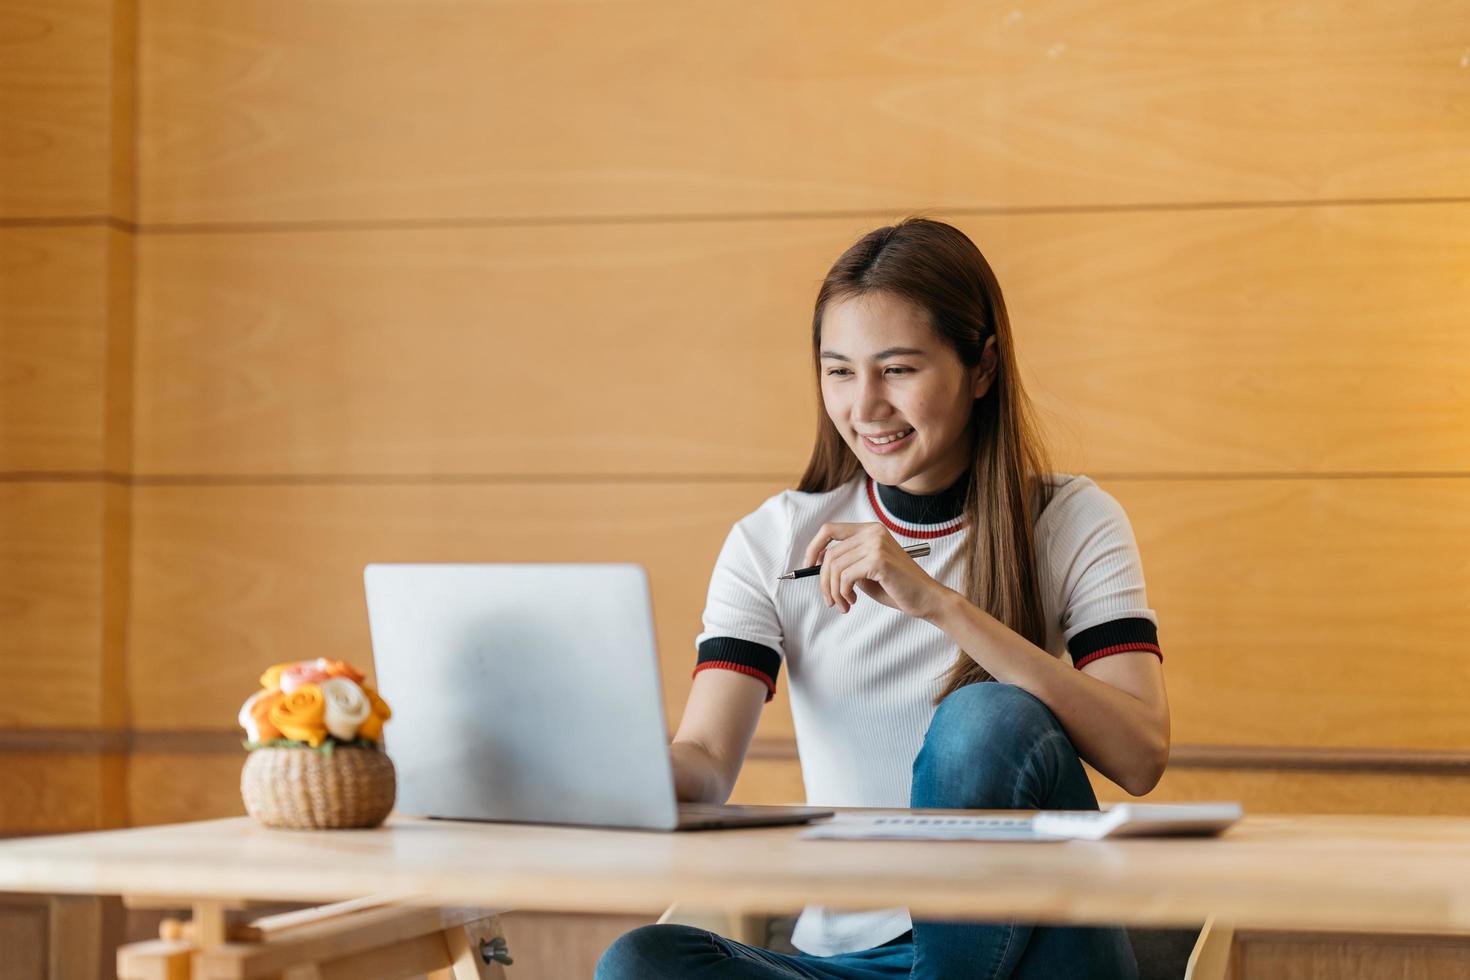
(878, 214)
(430, 479)
(60, 221)
(1183, 756)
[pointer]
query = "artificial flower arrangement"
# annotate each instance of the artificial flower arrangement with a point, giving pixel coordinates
(317, 703)
(315, 732)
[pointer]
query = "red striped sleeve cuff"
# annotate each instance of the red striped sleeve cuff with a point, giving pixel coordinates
(743, 657)
(1116, 636)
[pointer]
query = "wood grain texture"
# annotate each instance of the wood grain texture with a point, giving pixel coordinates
(1280, 601)
(203, 781)
(51, 604)
(117, 394)
(1262, 340)
(286, 111)
(776, 781)
(1310, 612)
(1346, 956)
(54, 312)
(1282, 872)
(122, 171)
(1267, 791)
(551, 946)
(24, 936)
(228, 580)
(115, 567)
(171, 787)
(87, 932)
(57, 792)
(55, 107)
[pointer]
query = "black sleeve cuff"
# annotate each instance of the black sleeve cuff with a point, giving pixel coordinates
(1116, 636)
(742, 656)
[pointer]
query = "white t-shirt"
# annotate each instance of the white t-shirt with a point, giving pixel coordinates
(863, 683)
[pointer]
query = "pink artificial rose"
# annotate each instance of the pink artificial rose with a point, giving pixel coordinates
(306, 672)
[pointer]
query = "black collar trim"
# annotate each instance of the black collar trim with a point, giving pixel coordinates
(935, 508)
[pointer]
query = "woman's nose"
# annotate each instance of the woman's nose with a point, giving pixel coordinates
(871, 403)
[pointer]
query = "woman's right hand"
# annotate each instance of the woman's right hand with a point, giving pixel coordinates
(714, 734)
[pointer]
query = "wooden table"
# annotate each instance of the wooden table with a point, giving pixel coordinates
(1335, 873)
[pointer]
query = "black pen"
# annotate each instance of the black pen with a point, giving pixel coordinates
(913, 551)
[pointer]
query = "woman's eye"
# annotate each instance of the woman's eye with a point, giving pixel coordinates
(834, 372)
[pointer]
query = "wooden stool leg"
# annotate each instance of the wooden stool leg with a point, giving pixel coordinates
(474, 953)
(157, 959)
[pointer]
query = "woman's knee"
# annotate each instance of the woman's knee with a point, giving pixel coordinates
(992, 720)
(978, 741)
(648, 952)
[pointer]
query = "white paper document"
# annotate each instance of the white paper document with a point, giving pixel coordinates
(1120, 820)
(877, 826)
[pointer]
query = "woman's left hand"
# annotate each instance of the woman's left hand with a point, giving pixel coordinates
(867, 557)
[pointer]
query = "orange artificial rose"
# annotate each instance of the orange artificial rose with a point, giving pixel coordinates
(272, 676)
(260, 711)
(301, 715)
(380, 707)
(372, 728)
(340, 668)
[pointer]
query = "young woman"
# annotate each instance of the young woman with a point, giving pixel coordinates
(976, 677)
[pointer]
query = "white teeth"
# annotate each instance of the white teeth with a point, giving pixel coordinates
(886, 441)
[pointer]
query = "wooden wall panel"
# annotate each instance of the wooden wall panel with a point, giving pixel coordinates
(170, 787)
(1283, 602)
(552, 946)
(1243, 341)
(66, 126)
(770, 780)
(1281, 791)
(228, 580)
(1259, 791)
(1348, 956)
(775, 781)
(53, 343)
(174, 787)
(24, 921)
(56, 100)
(59, 792)
(1310, 612)
(284, 111)
(50, 604)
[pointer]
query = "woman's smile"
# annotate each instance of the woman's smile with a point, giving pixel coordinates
(889, 443)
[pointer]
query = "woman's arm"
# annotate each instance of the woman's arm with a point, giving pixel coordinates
(714, 734)
(1114, 709)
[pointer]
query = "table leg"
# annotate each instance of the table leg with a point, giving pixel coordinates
(365, 939)
(477, 950)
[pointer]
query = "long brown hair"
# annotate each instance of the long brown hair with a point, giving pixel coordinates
(936, 267)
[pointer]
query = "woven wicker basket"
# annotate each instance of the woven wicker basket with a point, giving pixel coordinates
(307, 789)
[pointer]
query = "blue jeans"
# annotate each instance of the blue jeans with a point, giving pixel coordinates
(990, 746)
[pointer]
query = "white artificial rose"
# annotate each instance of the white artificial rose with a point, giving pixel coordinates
(247, 720)
(347, 707)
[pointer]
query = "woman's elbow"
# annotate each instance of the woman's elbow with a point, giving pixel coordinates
(1142, 780)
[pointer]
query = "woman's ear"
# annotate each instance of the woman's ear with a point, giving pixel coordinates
(986, 368)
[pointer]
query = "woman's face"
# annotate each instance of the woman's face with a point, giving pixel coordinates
(886, 372)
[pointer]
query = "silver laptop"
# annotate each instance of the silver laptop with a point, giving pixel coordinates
(530, 693)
